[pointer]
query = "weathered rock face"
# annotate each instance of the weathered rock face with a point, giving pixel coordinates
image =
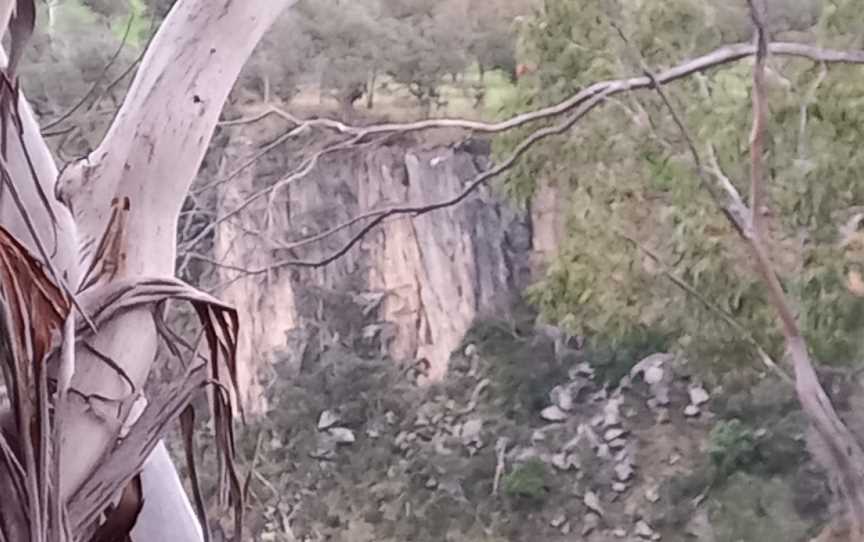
(548, 217)
(422, 279)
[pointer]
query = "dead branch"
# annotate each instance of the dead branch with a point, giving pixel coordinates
(843, 455)
(757, 12)
(377, 217)
(691, 290)
(720, 56)
(584, 97)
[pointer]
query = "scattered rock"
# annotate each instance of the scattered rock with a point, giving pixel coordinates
(698, 395)
(619, 487)
(618, 444)
(623, 471)
(583, 369)
(603, 451)
(525, 454)
(553, 414)
(471, 350)
(431, 483)
(342, 435)
(592, 502)
(661, 395)
(390, 417)
(327, 419)
(662, 416)
(565, 529)
(674, 458)
(652, 494)
(323, 454)
(691, 411)
(643, 530)
(471, 430)
(619, 533)
(612, 434)
(558, 521)
(563, 461)
(612, 412)
(561, 397)
(624, 384)
(653, 375)
(653, 361)
(590, 522)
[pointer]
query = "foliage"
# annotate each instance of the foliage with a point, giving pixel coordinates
(752, 508)
(632, 186)
(613, 356)
(732, 446)
(735, 446)
(527, 482)
(524, 367)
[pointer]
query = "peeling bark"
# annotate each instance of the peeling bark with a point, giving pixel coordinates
(150, 155)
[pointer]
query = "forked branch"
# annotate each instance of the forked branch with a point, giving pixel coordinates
(583, 100)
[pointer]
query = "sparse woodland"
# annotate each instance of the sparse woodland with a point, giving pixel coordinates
(277, 270)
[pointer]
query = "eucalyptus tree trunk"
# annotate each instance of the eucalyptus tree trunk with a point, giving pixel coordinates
(149, 157)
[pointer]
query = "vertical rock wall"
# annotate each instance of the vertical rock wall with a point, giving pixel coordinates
(425, 278)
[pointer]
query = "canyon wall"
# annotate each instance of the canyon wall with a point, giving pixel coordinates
(420, 280)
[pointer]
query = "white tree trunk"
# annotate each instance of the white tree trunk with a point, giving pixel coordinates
(151, 154)
(167, 513)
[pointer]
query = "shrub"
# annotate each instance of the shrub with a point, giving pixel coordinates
(527, 483)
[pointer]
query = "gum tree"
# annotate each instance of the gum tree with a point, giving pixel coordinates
(87, 268)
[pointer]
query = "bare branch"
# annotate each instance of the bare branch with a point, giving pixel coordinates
(377, 217)
(96, 83)
(843, 453)
(723, 55)
(720, 56)
(757, 12)
(586, 96)
(690, 290)
(299, 173)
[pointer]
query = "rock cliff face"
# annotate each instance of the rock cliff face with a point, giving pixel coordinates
(424, 279)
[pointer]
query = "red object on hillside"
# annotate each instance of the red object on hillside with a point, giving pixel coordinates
(525, 69)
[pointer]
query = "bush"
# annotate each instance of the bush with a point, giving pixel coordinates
(732, 447)
(527, 483)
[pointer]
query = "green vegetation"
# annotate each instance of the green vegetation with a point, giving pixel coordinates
(631, 182)
(732, 447)
(523, 369)
(527, 483)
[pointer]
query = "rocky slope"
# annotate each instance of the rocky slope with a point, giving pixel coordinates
(515, 444)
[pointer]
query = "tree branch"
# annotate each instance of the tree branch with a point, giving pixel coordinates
(71, 111)
(710, 305)
(377, 217)
(757, 12)
(723, 55)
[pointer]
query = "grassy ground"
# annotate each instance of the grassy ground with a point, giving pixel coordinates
(395, 102)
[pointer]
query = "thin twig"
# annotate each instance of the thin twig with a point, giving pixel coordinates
(585, 100)
(415, 211)
(723, 55)
(757, 195)
(710, 305)
(98, 80)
